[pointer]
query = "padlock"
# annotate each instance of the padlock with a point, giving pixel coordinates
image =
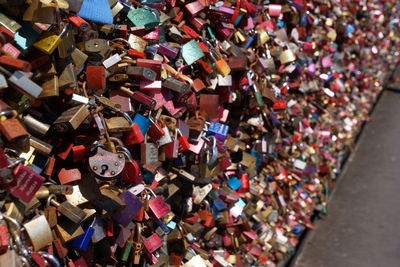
(134, 135)
(70, 211)
(9, 24)
(148, 153)
(69, 176)
(27, 182)
(67, 44)
(176, 85)
(191, 52)
(157, 206)
(137, 44)
(82, 242)
(287, 56)
(155, 131)
(96, 77)
(140, 97)
(95, 45)
(131, 173)
(70, 119)
(35, 126)
(14, 132)
(106, 165)
(39, 232)
(24, 85)
(15, 64)
(152, 243)
(137, 243)
(4, 236)
(143, 17)
(141, 73)
(183, 142)
(40, 146)
(50, 88)
(133, 206)
(117, 125)
(48, 41)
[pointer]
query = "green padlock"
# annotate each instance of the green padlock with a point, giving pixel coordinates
(143, 17)
(191, 52)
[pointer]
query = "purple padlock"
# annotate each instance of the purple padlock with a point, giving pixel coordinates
(133, 205)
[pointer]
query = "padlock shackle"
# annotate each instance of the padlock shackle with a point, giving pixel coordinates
(50, 258)
(116, 140)
(15, 163)
(8, 112)
(127, 117)
(138, 231)
(125, 151)
(49, 199)
(151, 191)
(16, 234)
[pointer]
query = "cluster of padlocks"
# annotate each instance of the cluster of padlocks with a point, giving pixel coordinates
(179, 133)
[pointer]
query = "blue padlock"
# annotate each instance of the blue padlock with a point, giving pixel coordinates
(143, 122)
(97, 11)
(250, 40)
(171, 225)
(241, 203)
(82, 241)
(234, 183)
(219, 130)
(219, 205)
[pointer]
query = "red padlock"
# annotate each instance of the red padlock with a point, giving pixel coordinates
(96, 77)
(183, 142)
(157, 206)
(134, 136)
(69, 176)
(5, 35)
(38, 259)
(132, 174)
(14, 63)
(4, 237)
(28, 183)
(136, 54)
(155, 131)
(152, 243)
(279, 105)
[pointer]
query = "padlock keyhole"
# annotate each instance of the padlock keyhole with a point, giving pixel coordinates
(104, 168)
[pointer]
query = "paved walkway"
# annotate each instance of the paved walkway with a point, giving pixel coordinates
(363, 224)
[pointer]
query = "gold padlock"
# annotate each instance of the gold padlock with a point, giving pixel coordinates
(48, 41)
(287, 56)
(117, 125)
(50, 88)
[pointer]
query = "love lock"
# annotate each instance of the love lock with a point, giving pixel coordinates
(210, 151)
(106, 165)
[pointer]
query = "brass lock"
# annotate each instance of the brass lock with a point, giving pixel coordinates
(48, 42)
(70, 119)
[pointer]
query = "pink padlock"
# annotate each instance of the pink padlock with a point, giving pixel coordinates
(274, 10)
